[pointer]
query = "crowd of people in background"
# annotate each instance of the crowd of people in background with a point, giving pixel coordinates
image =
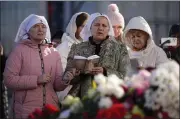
(41, 69)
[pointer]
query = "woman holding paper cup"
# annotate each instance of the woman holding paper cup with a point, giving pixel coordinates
(113, 57)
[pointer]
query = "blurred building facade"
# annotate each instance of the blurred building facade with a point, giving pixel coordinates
(12, 14)
(159, 14)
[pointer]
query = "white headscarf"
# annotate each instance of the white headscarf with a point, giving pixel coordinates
(30, 21)
(72, 27)
(86, 32)
(139, 23)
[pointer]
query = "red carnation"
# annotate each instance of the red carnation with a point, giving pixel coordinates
(114, 100)
(38, 112)
(51, 109)
(31, 116)
(117, 111)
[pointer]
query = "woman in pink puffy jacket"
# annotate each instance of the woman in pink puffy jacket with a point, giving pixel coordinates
(33, 70)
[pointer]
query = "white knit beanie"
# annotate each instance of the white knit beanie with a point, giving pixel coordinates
(115, 16)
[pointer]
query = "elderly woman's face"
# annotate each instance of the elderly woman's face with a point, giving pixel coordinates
(138, 39)
(100, 28)
(38, 32)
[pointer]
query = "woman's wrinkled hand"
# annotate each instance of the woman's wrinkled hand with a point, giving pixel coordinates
(97, 70)
(75, 72)
(70, 74)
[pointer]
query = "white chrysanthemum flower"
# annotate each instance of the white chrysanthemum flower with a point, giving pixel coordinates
(176, 102)
(164, 103)
(148, 94)
(163, 100)
(111, 86)
(171, 66)
(173, 114)
(113, 79)
(118, 92)
(155, 106)
(166, 78)
(158, 97)
(100, 79)
(158, 76)
(105, 89)
(149, 104)
(163, 90)
(102, 89)
(105, 102)
(65, 114)
(173, 82)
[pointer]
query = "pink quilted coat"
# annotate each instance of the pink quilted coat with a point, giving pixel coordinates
(21, 72)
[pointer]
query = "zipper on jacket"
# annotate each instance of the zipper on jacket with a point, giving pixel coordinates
(43, 71)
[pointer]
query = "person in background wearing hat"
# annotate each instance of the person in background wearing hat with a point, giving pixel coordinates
(138, 37)
(173, 52)
(117, 21)
(33, 69)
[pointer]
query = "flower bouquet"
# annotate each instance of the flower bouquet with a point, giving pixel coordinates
(152, 94)
(48, 112)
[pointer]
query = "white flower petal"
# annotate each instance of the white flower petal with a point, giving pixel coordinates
(102, 89)
(113, 79)
(118, 92)
(105, 102)
(100, 79)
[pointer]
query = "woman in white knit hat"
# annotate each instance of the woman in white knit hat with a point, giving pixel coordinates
(117, 21)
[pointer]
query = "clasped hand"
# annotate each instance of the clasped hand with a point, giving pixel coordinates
(97, 70)
(44, 78)
(69, 75)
